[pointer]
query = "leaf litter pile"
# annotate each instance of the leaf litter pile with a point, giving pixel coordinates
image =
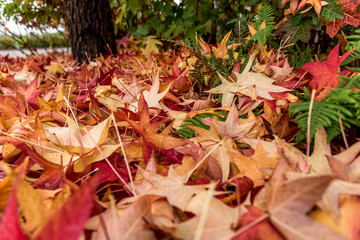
(131, 147)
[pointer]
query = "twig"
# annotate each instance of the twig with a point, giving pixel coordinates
(308, 125)
(250, 225)
(204, 212)
(202, 160)
(109, 163)
(343, 133)
(123, 152)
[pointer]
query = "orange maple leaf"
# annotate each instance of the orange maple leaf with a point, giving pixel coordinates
(314, 3)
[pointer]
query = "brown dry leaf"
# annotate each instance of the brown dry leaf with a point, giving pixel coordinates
(318, 160)
(76, 139)
(251, 167)
(231, 127)
(282, 73)
(172, 187)
(219, 149)
(349, 216)
(9, 152)
(329, 202)
(219, 223)
(288, 202)
(129, 225)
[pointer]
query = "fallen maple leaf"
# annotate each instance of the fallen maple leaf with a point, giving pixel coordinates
(33, 210)
(330, 200)
(153, 96)
(132, 224)
(219, 222)
(219, 149)
(76, 139)
(352, 17)
(74, 213)
(221, 50)
(349, 213)
(231, 127)
(172, 187)
(293, 5)
(262, 229)
(247, 83)
(10, 227)
(181, 82)
(5, 191)
(283, 73)
(318, 161)
(317, 4)
(289, 201)
(148, 130)
(325, 74)
(253, 167)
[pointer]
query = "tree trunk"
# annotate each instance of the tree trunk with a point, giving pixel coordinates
(91, 30)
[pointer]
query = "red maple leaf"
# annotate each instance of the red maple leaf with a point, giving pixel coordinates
(351, 16)
(74, 213)
(10, 227)
(325, 73)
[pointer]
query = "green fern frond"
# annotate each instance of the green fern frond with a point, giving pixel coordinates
(298, 58)
(240, 25)
(342, 102)
(243, 65)
(353, 44)
(266, 13)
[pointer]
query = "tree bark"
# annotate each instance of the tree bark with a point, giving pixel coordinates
(91, 30)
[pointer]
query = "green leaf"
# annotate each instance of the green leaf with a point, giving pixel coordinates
(332, 11)
(133, 5)
(301, 32)
(141, 30)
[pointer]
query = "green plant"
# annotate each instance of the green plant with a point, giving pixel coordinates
(263, 24)
(186, 132)
(297, 58)
(341, 103)
(353, 44)
(205, 70)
